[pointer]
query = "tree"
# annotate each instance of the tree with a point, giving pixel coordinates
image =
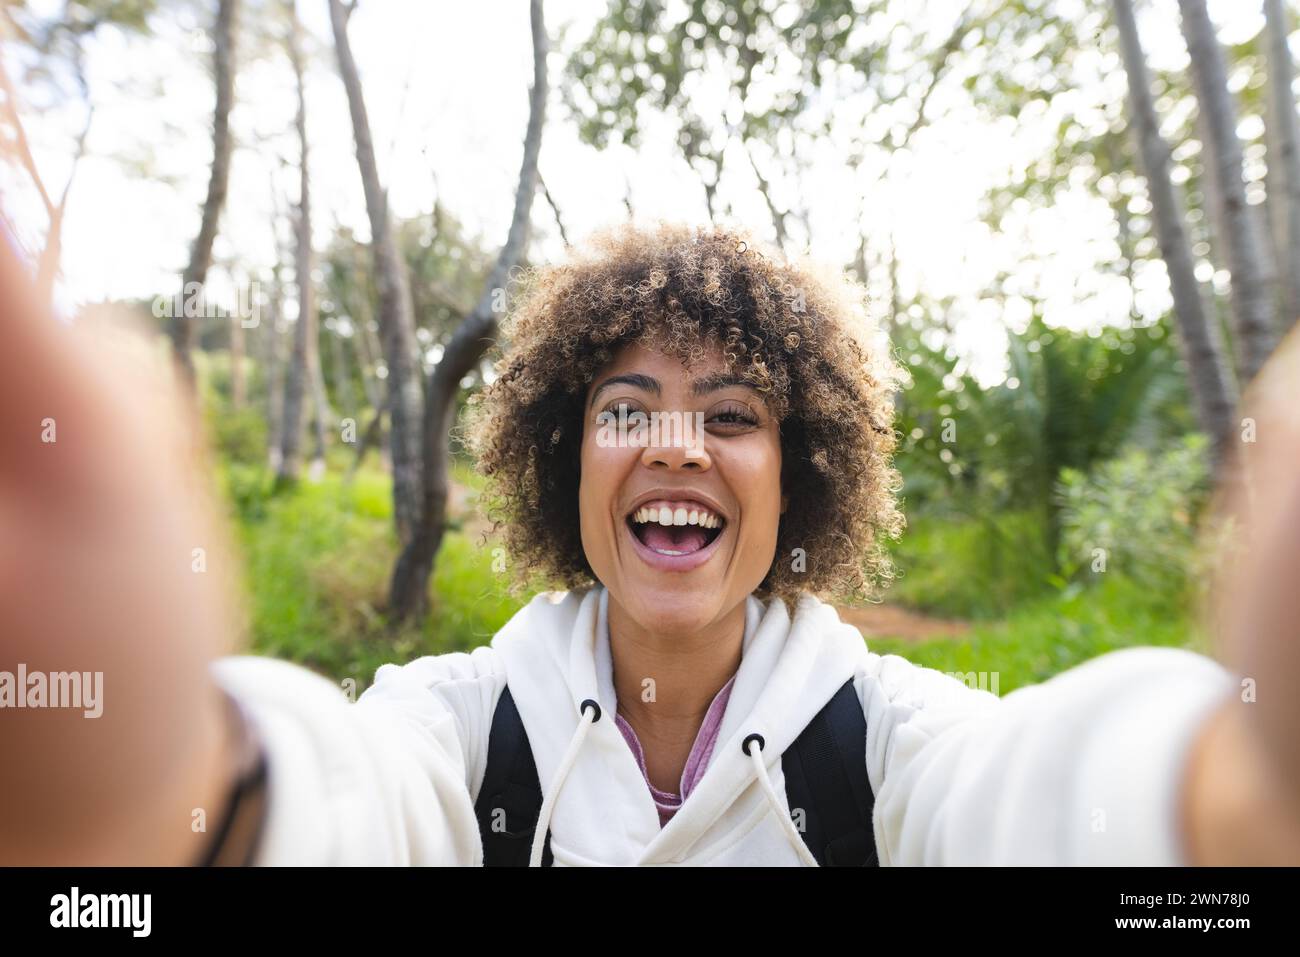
(409, 586)
(304, 363)
(59, 42)
(1251, 289)
(1210, 386)
(1286, 163)
(48, 265)
(196, 271)
(396, 324)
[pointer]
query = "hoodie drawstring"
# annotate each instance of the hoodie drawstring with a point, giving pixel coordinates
(773, 802)
(557, 782)
(590, 715)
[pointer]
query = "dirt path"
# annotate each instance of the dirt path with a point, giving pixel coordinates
(891, 621)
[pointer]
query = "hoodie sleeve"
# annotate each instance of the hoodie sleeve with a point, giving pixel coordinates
(1083, 769)
(379, 782)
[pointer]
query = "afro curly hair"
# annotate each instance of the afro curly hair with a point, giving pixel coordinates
(797, 331)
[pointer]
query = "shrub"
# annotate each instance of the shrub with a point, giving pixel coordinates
(1137, 514)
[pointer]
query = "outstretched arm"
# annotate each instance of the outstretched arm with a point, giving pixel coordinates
(1142, 756)
(101, 514)
(1242, 794)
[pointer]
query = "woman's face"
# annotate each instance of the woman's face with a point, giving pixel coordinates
(679, 523)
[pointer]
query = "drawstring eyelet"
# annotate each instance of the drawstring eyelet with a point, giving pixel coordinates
(582, 709)
(773, 802)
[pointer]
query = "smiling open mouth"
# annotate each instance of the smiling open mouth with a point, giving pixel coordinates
(675, 532)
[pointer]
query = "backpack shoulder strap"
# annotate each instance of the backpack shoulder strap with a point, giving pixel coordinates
(826, 779)
(510, 800)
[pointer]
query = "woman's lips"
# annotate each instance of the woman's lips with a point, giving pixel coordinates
(674, 563)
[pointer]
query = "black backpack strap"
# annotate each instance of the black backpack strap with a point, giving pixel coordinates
(826, 779)
(510, 800)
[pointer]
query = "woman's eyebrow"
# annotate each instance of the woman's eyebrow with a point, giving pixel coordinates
(701, 386)
(716, 381)
(632, 379)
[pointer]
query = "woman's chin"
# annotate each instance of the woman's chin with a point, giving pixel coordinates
(681, 609)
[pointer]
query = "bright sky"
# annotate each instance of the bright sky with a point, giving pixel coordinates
(446, 87)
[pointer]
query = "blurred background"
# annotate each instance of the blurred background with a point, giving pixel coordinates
(1079, 224)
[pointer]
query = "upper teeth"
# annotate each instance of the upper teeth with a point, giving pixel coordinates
(663, 515)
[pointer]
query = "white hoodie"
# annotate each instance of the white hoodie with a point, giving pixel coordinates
(1082, 769)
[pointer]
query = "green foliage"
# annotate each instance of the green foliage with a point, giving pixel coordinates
(979, 567)
(240, 434)
(317, 559)
(1070, 400)
(446, 267)
(1141, 509)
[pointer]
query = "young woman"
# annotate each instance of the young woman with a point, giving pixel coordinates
(689, 439)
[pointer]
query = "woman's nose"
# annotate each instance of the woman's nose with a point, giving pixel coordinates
(677, 447)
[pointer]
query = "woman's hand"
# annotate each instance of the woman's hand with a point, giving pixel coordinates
(1243, 784)
(111, 563)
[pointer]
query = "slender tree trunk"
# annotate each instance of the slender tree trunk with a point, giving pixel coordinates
(1286, 164)
(396, 324)
(275, 369)
(322, 415)
(408, 593)
(550, 201)
(370, 351)
(371, 436)
(1215, 225)
(300, 376)
(1210, 386)
(1248, 260)
(342, 375)
(196, 272)
(765, 190)
(47, 268)
(366, 359)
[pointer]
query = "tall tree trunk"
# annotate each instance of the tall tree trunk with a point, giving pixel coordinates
(1210, 386)
(300, 375)
(275, 368)
(366, 354)
(322, 415)
(196, 272)
(1281, 73)
(408, 593)
(1248, 259)
(396, 324)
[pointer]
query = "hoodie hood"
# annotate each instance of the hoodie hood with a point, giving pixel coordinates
(557, 656)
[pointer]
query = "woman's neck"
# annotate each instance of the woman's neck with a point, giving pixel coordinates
(665, 684)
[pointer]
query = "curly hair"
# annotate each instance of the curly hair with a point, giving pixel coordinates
(796, 331)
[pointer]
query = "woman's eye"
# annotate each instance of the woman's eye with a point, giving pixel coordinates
(621, 409)
(735, 416)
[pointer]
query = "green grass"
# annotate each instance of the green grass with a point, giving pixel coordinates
(317, 558)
